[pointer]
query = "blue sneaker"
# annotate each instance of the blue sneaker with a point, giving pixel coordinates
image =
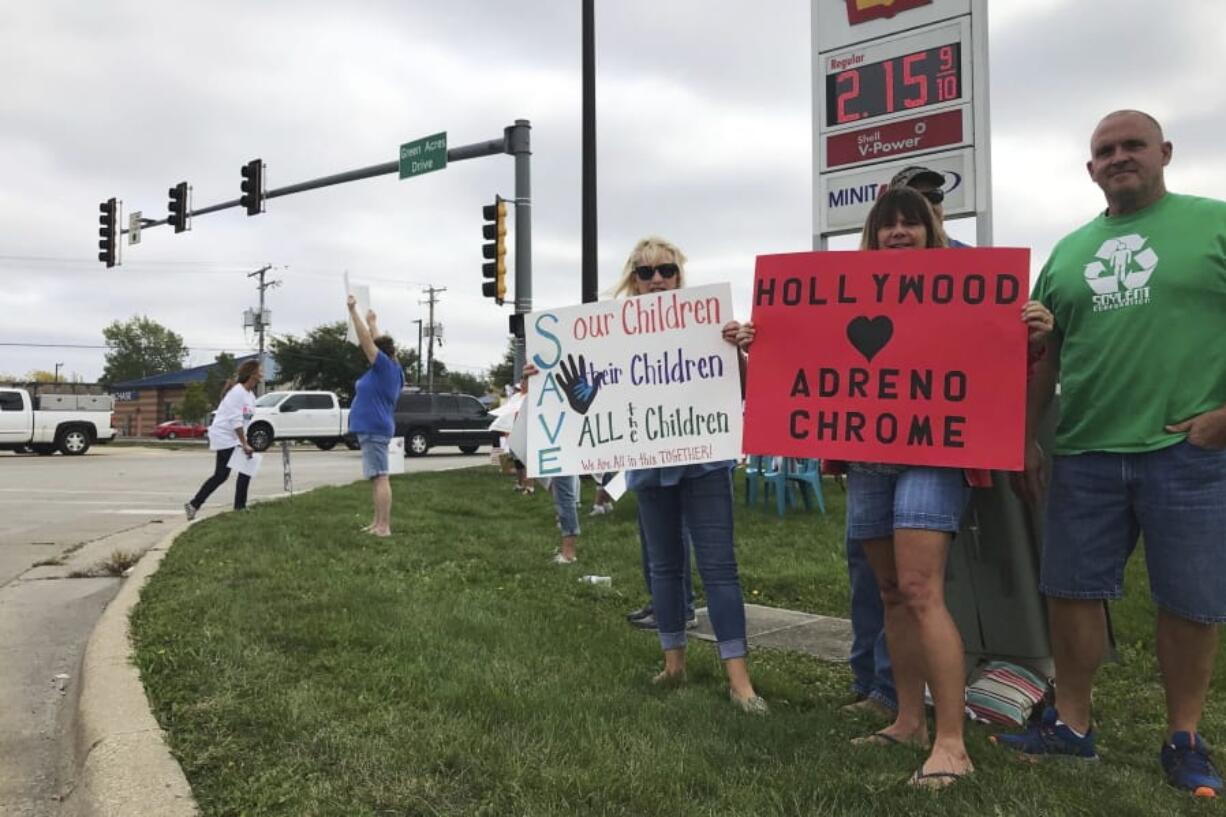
(1188, 764)
(1048, 739)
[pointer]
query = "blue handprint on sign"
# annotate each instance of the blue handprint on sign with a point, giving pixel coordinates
(574, 382)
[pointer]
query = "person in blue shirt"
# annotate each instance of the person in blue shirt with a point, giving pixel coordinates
(372, 415)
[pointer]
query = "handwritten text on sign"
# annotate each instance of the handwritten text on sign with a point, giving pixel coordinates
(912, 357)
(633, 383)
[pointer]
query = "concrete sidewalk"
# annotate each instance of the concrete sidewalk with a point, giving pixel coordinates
(125, 769)
(122, 764)
(823, 637)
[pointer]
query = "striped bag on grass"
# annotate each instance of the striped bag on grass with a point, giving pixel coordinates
(1004, 693)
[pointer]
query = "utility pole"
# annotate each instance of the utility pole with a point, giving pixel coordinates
(417, 378)
(57, 372)
(432, 332)
(260, 319)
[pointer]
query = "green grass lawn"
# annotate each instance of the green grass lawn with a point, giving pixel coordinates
(303, 668)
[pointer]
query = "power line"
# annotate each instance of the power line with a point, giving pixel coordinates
(20, 344)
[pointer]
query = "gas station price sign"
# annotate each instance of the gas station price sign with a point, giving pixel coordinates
(899, 76)
(903, 83)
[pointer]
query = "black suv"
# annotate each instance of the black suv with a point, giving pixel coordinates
(427, 420)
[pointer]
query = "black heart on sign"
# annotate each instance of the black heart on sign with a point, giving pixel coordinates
(870, 335)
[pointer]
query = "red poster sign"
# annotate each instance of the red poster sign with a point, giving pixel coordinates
(895, 139)
(890, 356)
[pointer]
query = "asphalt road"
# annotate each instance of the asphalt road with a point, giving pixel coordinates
(60, 515)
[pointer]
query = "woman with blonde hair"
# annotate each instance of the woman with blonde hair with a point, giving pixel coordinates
(693, 501)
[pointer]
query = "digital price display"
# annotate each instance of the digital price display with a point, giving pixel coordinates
(902, 83)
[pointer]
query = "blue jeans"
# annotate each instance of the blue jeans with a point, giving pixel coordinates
(1098, 504)
(872, 676)
(565, 492)
(687, 575)
(703, 505)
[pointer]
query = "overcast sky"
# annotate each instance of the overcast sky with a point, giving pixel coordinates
(704, 136)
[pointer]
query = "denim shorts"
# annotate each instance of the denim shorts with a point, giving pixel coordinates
(374, 455)
(880, 500)
(1174, 497)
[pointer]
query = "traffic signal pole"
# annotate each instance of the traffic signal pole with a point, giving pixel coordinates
(457, 154)
(516, 141)
(519, 145)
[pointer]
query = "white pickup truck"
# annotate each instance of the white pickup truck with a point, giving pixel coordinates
(314, 416)
(23, 428)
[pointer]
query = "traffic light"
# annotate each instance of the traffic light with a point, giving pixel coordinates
(495, 251)
(253, 187)
(108, 232)
(178, 207)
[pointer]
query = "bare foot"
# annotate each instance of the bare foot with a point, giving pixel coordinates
(382, 533)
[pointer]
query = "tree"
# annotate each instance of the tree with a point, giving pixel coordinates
(323, 360)
(140, 347)
(195, 403)
(222, 370)
(466, 383)
(502, 373)
(40, 376)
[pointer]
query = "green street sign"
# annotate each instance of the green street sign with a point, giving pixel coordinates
(423, 155)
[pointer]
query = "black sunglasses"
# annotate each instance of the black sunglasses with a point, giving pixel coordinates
(666, 271)
(934, 196)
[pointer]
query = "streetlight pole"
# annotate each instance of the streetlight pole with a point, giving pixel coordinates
(57, 372)
(589, 283)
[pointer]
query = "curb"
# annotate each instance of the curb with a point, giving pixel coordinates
(122, 764)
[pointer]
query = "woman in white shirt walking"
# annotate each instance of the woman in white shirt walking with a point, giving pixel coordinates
(227, 432)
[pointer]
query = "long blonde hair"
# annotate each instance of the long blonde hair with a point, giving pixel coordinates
(651, 250)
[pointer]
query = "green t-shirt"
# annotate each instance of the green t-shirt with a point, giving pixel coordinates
(1140, 302)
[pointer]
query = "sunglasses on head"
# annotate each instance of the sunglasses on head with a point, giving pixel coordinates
(666, 271)
(934, 196)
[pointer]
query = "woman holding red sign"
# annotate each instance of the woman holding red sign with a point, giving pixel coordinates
(905, 519)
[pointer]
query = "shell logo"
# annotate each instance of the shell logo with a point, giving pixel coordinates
(862, 11)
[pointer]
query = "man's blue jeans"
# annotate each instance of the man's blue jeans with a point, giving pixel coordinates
(872, 676)
(703, 506)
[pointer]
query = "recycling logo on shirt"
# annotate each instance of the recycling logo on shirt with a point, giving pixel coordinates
(1120, 276)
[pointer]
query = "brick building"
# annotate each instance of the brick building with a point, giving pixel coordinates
(140, 405)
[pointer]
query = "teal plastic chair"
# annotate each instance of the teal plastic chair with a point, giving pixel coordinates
(777, 481)
(755, 470)
(807, 475)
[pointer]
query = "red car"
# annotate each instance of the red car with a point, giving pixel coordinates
(177, 428)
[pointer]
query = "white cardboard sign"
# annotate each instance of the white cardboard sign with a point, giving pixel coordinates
(361, 294)
(633, 383)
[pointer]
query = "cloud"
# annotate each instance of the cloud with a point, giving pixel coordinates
(704, 136)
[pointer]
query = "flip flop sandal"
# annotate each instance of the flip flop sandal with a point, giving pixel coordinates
(877, 739)
(934, 781)
(882, 739)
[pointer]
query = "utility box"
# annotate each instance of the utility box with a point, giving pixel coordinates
(75, 402)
